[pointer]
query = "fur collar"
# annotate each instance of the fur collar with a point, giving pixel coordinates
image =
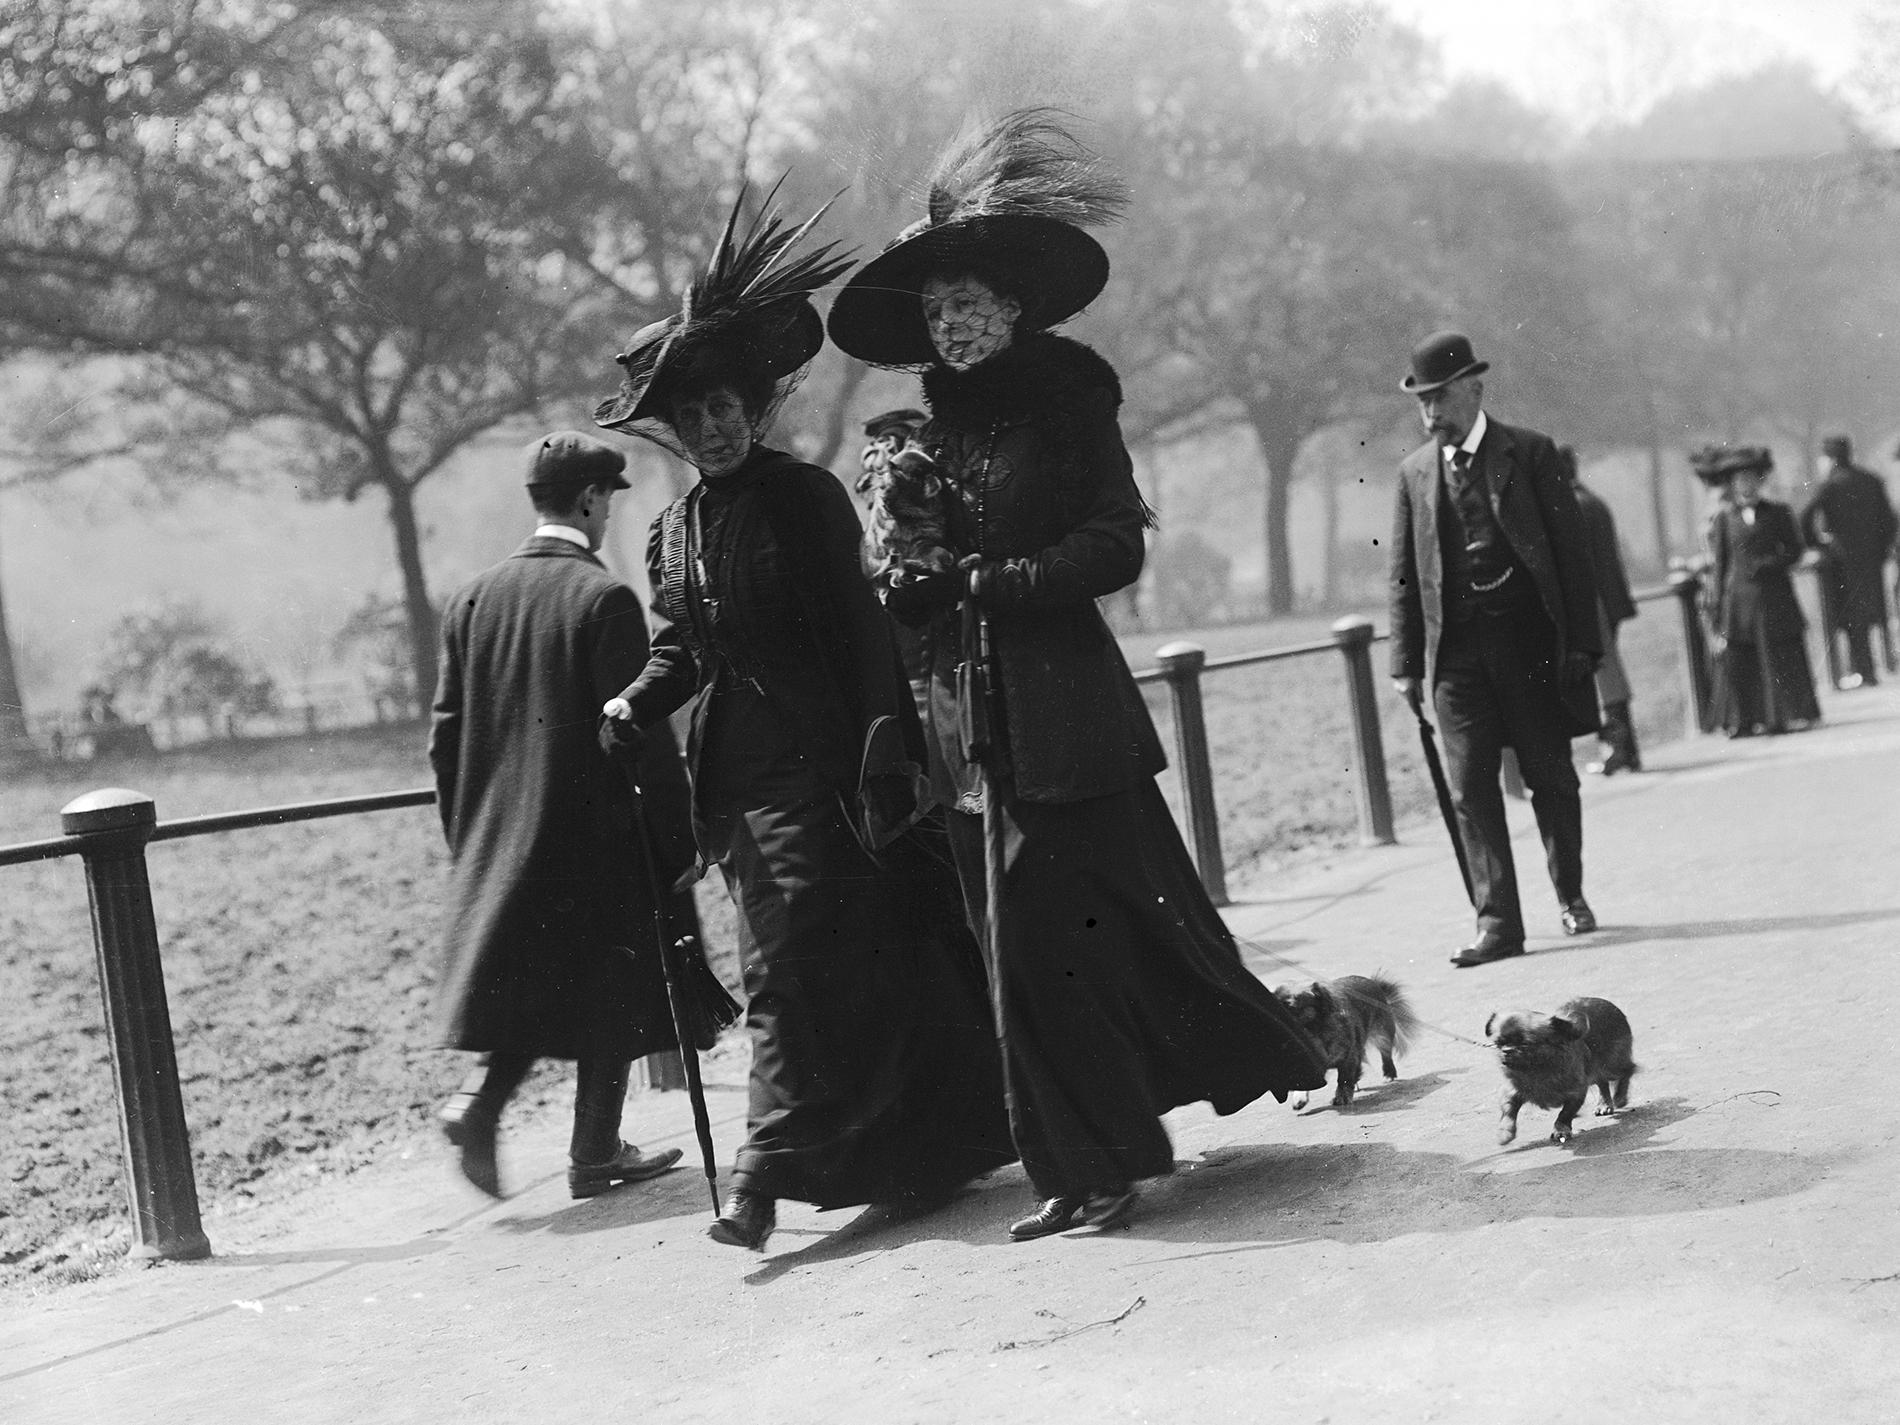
(1038, 375)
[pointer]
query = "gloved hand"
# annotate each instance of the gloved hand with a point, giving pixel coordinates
(1412, 690)
(619, 738)
(918, 600)
(1579, 666)
(996, 583)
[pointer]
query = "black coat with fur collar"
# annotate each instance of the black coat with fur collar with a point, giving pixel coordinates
(1030, 442)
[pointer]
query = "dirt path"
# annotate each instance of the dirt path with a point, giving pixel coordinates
(1728, 1249)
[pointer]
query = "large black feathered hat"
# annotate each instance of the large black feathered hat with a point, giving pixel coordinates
(1007, 202)
(748, 317)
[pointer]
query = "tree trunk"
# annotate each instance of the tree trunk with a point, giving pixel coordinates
(1329, 540)
(13, 736)
(832, 440)
(1658, 506)
(415, 588)
(1279, 439)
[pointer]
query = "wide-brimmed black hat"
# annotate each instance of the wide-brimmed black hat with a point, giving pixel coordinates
(663, 355)
(1718, 463)
(566, 457)
(1439, 360)
(1008, 203)
(748, 317)
(1053, 268)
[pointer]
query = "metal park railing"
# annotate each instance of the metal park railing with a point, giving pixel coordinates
(1182, 666)
(109, 831)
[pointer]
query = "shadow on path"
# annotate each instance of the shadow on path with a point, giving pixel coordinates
(1614, 935)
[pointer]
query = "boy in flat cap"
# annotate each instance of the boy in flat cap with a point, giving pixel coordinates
(549, 951)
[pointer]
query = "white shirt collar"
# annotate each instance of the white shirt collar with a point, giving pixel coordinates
(561, 531)
(1470, 443)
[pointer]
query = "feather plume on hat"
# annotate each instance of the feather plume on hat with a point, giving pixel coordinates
(1026, 164)
(749, 311)
(1007, 201)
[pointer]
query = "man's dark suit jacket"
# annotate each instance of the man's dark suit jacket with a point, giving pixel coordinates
(1536, 509)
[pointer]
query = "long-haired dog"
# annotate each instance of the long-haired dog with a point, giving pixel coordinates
(906, 538)
(1552, 1059)
(1347, 1016)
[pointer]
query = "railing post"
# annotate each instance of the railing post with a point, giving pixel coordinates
(1828, 610)
(1354, 637)
(664, 1070)
(1687, 587)
(1181, 665)
(152, 1133)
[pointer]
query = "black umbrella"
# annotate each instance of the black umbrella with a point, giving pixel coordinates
(700, 1005)
(1428, 738)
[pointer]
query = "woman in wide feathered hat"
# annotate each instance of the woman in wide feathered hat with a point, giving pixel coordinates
(1118, 990)
(875, 1075)
(1762, 680)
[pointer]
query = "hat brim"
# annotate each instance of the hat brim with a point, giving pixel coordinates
(879, 316)
(774, 349)
(1411, 385)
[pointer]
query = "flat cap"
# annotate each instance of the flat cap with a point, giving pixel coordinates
(566, 457)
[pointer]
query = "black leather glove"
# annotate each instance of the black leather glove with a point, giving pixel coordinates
(998, 583)
(917, 601)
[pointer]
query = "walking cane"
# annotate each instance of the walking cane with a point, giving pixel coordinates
(699, 1003)
(1428, 738)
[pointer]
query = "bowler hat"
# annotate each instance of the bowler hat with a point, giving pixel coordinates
(1439, 360)
(566, 457)
(1837, 447)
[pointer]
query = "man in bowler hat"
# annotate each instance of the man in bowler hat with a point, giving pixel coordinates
(549, 950)
(1494, 617)
(1851, 522)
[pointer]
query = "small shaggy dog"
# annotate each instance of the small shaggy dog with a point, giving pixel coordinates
(1345, 1016)
(1551, 1061)
(906, 538)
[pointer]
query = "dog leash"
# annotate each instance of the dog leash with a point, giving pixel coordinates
(1287, 962)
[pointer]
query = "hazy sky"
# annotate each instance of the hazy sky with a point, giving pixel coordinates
(1595, 60)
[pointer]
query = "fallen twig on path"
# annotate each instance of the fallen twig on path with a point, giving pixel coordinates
(1122, 1316)
(1860, 1282)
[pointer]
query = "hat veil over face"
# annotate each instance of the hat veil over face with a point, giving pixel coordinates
(1008, 203)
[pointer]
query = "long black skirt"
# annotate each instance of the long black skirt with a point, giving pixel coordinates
(1765, 685)
(875, 1072)
(1118, 989)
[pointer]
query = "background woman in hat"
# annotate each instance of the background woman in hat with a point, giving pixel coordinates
(1119, 992)
(1763, 682)
(875, 1075)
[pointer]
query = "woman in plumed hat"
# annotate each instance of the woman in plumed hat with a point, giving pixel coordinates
(1119, 992)
(875, 1075)
(1762, 682)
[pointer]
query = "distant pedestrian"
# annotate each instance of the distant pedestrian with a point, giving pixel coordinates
(1762, 681)
(1617, 606)
(549, 951)
(1494, 617)
(1851, 522)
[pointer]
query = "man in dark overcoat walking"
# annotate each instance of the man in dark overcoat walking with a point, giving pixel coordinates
(1494, 616)
(1617, 605)
(549, 948)
(1851, 522)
